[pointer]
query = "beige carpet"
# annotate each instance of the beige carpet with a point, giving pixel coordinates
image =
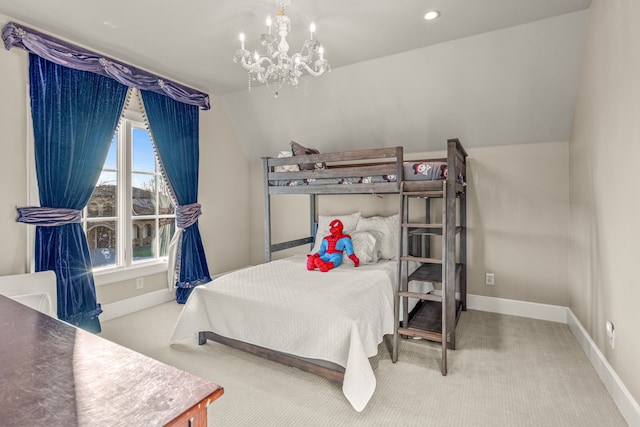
(507, 371)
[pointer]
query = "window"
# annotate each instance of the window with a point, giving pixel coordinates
(130, 219)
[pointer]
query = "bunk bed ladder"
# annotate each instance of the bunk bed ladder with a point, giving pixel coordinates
(435, 316)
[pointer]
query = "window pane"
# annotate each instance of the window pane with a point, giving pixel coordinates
(102, 238)
(167, 228)
(112, 157)
(144, 159)
(143, 194)
(164, 200)
(103, 201)
(143, 241)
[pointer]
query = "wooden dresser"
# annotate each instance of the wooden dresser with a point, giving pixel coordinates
(54, 374)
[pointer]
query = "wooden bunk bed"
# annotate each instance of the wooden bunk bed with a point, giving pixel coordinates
(375, 171)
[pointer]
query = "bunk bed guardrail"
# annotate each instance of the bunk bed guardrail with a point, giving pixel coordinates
(358, 164)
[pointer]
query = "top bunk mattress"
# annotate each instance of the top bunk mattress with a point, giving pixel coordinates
(413, 171)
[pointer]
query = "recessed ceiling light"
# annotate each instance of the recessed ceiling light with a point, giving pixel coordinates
(431, 15)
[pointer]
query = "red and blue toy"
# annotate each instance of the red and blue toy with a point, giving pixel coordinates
(331, 249)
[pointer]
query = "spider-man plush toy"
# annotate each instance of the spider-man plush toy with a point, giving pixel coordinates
(330, 253)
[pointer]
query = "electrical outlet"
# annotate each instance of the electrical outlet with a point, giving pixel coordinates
(489, 279)
(611, 334)
(140, 283)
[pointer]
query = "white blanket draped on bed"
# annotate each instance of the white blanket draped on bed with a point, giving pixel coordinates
(340, 316)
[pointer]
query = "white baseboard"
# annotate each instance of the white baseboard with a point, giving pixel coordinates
(626, 403)
(552, 313)
(131, 305)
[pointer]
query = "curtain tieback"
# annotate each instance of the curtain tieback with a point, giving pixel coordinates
(48, 217)
(187, 215)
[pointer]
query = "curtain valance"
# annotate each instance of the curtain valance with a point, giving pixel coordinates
(75, 57)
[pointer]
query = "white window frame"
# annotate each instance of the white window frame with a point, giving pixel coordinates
(128, 268)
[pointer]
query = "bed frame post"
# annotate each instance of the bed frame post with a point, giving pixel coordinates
(267, 211)
(312, 219)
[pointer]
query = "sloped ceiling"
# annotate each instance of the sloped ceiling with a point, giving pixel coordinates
(512, 86)
(396, 79)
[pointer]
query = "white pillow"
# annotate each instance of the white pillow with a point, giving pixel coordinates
(349, 223)
(286, 168)
(366, 245)
(390, 228)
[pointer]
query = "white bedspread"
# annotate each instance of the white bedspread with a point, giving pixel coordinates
(340, 316)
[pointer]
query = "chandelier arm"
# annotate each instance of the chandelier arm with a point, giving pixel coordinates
(264, 59)
(244, 54)
(255, 65)
(243, 60)
(311, 71)
(261, 73)
(262, 77)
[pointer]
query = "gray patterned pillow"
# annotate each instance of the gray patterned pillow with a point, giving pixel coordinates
(299, 150)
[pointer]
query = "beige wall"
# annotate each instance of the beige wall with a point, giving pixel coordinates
(122, 290)
(604, 152)
(518, 218)
(223, 192)
(224, 224)
(13, 162)
(518, 205)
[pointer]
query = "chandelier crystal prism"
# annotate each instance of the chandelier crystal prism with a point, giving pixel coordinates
(274, 67)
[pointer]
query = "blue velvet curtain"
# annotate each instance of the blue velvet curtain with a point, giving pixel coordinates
(75, 114)
(174, 129)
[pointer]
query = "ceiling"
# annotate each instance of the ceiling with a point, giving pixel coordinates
(193, 42)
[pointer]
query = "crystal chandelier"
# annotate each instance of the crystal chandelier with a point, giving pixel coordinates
(274, 66)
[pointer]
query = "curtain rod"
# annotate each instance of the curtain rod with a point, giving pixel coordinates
(76, 57)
